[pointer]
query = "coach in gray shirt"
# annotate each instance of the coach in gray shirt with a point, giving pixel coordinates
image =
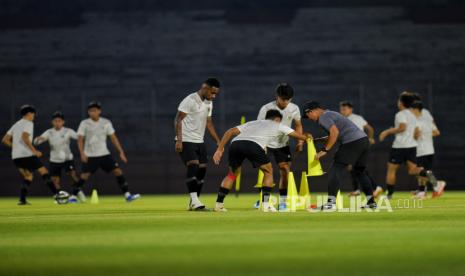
(352, 151)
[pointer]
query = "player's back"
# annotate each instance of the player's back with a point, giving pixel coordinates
(262, 131)
(19, 148)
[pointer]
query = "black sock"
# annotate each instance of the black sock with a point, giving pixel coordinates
(122, 183)
(49, 183)
(222, 193)
(266, 192)
(283, 192)
(200, 179)
(390, 189)
(24, 189)
(191, 180)
(423, 173)
(78, 186)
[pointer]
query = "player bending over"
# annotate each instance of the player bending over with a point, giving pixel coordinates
(61, 157)
(352, 151)
(347, 109)
(92, 142)
(193, 116)
(26, 157)
(250, 143)
(404, 147)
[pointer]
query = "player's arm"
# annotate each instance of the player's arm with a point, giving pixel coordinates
(299, 136)
(115, 141)
(25, 137)
(178, 129)
(226, 138)
(7, 140)
(391, 131)
(417, 133)
(81, 148)
(332, 139)
(212, 131)
(436, 131)
(41, 139)
(299, 129)
(370, 132)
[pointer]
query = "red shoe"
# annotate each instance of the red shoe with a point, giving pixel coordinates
(440, 189)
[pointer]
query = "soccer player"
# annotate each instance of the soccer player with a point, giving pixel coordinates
(250, 143)
(279, 148)
(347, 109)
(92, 143)
(26, 156)
(404, 147)
(61, 157)
(425, 148)
(193, 116)
(352, 151)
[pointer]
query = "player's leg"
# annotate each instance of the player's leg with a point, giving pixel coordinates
(55, 173)
(202, 170)
(428, 175)
(108, 164)
(27, 177)
(355, 185)
(284, 169)
(88, 168)
(225, 187)
(70, 171)
(391, 178)
(267, 170)
(396, 158)
(59, 195)
(361, 175)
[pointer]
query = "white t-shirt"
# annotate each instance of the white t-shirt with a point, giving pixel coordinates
(59, 141)
(425, 141)
(406, 138)
(290, 113)
(358, 120)
(262, 132)
(95, 134)
(194, 124)
(19, 148)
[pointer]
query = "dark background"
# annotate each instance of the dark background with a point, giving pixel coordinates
(141, 58)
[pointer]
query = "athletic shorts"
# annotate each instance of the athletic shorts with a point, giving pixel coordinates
(402, 155)
(425, 161)
(242, 149)
(55, 169)
(193, 151)
(354, 153)
(31, 163)
(106, 163)
(280, 154)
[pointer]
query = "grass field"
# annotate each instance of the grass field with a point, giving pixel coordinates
(157, 236)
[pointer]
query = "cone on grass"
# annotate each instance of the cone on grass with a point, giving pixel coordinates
(304, 192)
(339, 201)
(292, 195)
(94, 197)
(314, 166)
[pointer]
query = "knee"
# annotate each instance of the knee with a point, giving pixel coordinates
(117, 172)
(267, 169)
(284, 168)
(192, 170)
(85, 176)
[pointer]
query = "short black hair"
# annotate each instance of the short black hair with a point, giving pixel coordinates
(407, 99)
(58, 114)
(285, 91)
(309, 106)
(27, 108)
(346, 103)
(93, 104)
(273, 114)
(416, 96)
(418, 105)
(213, 82)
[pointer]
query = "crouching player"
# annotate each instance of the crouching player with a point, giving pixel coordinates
(26, 157)
(92, 142)
(250, 143)
(61, 157)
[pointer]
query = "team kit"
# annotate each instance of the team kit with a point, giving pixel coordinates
(260, 141)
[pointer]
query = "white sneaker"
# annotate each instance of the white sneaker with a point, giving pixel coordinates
(219, 207)
(81, 196)
(420, 195)
(268, 208)
(196, 206)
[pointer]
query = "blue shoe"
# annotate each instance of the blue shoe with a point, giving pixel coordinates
(132, 197)
(73, 199)
(257, 204)
(282, 207)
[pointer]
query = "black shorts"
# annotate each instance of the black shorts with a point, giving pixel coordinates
(402, 155)
(55, 169)
(280, 154)
(106, 163)
(241, 150)
(425, 161)
(193, 151)
(31, 163)
(354, 153)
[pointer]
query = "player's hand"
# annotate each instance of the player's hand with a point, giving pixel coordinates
(38, 153)
(320, 154)
(84, 158)
(299, 147)
(217, 156)
(383, 136)
(178, 146)
(123, 158)
(309, 136)
(372, 141)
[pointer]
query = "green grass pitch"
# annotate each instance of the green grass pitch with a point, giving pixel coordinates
(156, 236)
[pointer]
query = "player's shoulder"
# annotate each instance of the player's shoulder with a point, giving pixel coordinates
(356, 117)
(293, 107)
(270, 105)
(105, 121)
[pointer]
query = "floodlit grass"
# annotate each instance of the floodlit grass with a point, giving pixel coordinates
(157, 236)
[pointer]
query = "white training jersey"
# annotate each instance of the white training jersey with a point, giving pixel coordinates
(19, 148)
(95, 134)
(195, 122)
(358, 120)
(425, 142)
(59, 141)
(406, 138)
(290, 113)
(262, 132)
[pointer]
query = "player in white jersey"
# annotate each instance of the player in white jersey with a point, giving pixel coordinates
(404, 147)
(346, 108)
(279, 148)
(26, 156)
(251, 142)
(92, 142)
(193, 117)
(61, 158)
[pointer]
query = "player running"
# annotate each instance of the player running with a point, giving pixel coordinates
(347, 109)
(352, 151)
(251, 142)
(404, 147)
(92, 143)
(279, 148)
(26, 157)
(193, 116)
(61, 157)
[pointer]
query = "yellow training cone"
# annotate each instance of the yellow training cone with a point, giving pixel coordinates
(314, 166)
(339, 201)
(292, 195)
(94, 197)
(259, 179)
(304, 193)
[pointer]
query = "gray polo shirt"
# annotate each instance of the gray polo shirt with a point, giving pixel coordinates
(348, 131)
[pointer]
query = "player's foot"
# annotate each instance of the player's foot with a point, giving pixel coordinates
(256, 204)
(432, 179)
(23, 203)
(219, 207)
(81, 196)
(197, 206)
(440, 189)
(372, 206)
(420, 195)
(61, 197)
(354, 193)
(282, 207)
(328, 206)
(268, 208)
(73, 199)
(132, 197)
(378, 191)
(414, 193)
